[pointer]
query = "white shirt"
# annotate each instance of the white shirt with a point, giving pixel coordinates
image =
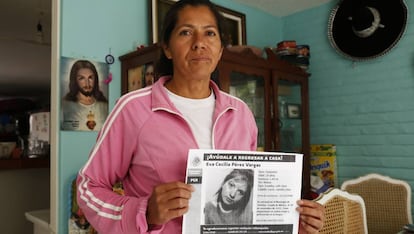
(199, 114)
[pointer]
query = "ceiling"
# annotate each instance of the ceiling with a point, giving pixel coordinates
(282, 7)
(25, 62)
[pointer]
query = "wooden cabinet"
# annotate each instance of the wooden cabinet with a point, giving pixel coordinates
(276, 92)
(133, 66)
(14, 127)
(24, 163)
(246, 76)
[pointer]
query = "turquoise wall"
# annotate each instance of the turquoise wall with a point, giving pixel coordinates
(365, 108)
(89, 30)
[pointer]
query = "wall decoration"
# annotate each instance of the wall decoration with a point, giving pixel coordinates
(84, 94)
(293, 111)
(368, 29)
(137, 68)
(235, 21)
(109, 59)
(140, 76)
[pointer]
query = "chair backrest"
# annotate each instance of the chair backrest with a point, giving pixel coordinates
(387, 201)
(344, 212)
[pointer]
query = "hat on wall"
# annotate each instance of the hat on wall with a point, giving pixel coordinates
(365, 29)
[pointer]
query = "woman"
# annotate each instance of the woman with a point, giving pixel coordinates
(231, 204)
(145, 141)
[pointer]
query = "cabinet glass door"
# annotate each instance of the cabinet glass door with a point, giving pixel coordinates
(291, 114)
(290, 117)
(251, 89)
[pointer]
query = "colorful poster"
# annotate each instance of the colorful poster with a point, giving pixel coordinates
(84, 104)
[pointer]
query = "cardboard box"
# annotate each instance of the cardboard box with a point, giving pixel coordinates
(324, 173)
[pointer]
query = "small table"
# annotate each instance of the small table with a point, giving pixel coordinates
(40, 220)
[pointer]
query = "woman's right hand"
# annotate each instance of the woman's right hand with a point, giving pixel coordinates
(168, 201)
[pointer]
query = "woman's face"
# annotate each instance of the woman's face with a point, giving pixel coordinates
(195, 46)
(86, 81)
(233, 190)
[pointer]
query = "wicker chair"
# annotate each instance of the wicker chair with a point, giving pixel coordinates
(387, 201)
(344, 212)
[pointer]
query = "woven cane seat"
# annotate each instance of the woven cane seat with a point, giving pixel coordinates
(387, 201)
(344, 212)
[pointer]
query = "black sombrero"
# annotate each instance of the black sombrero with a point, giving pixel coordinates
(365, 29)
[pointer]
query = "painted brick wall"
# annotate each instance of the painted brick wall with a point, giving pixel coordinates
(365, 108)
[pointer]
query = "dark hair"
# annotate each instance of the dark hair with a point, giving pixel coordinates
(74, 87)
(165, 66)
(247, 175)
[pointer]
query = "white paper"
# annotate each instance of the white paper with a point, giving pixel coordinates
(277, 182)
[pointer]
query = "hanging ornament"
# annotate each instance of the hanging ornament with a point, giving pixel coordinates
(108, 79)
(39, 30)
(109, 59)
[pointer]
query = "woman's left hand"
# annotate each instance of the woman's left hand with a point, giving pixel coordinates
(312, 216)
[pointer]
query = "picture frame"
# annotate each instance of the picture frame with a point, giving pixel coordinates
(293, 111)
(134, 65)
(77, 116)
(234, 21)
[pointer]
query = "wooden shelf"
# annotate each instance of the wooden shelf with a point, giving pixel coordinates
(25, 163)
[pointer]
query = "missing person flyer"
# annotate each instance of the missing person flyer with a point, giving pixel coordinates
(243, 192)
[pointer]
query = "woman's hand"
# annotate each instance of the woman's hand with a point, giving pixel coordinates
(312, 216)
(168, 201)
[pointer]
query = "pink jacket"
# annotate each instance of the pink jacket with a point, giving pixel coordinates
(144, 142)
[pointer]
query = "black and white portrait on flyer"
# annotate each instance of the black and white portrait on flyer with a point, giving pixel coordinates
(243, 192)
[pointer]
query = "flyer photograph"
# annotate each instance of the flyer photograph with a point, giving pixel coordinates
(243, 192)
